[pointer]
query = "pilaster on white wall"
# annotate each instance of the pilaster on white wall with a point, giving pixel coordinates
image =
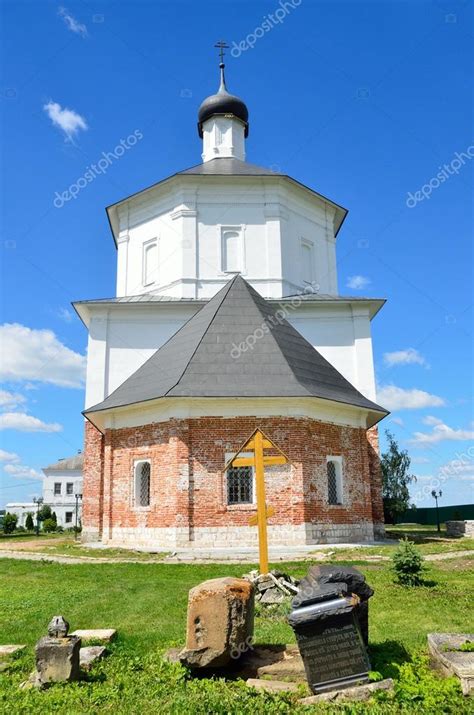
(363, 354)
(122, 262)
(97, 359)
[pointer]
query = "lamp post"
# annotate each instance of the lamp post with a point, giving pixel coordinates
(77, 497)
(38, 501)
(436, 496)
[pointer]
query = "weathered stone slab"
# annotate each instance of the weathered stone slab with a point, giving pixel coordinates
(449, 660)
(356, 693)
(57, 659)
(272, 686)
(7, 650)
(460, 528)
(90, 654)
(106, 635)
(220, 622)
(276, 661)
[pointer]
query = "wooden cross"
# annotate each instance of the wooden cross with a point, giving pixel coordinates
(222, 46)
(257, 443)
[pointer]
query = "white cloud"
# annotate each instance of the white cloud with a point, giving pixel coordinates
(20, 471)
(64, 314)
(30, 354)
(397, 421)
(8, 456)
(409, 356)
(358, 282)
(69, 121)
(26, 423)
(399, 398)
(430, 420)
(440, 433)
(420, 460)
(11, 399)
(71, 23)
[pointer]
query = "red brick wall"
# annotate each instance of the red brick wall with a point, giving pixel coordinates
(375, 475)
(188, 482)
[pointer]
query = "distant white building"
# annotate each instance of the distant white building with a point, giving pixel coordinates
(62, 481)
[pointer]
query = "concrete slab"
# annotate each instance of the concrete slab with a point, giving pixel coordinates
(448, 659)
(105, 635)
(90, 654)
(272, 686)
(8, 650)
(357, 693)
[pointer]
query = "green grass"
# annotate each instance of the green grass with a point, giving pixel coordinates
(147, 604)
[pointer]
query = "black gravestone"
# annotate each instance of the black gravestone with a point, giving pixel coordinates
(331, 644)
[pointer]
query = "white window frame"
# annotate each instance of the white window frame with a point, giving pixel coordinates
(240, 229)
(338, 461)
(151, 243)
(306, 243)
(229, 456)
(66, 520)
(69, 492)
(57, 493)
(135, 496)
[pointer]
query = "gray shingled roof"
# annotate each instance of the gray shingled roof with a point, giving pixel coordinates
(229, 167)
(202, 359)
(67, 463)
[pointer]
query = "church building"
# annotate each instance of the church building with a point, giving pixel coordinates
(227, 319)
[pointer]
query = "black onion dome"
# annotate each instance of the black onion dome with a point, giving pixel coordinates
(223, 103)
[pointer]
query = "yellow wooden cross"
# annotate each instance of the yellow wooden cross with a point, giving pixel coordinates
(257, 443)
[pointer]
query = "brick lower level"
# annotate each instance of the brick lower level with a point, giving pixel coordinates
(188, 500)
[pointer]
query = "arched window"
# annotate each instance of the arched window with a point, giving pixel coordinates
(334, 477)
(142, 483)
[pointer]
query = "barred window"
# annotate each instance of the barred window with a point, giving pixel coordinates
(142, 483)
(240, 485)
(334, 477)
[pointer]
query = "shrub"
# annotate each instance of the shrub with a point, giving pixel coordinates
(407, 563)
(9, 523)
(45, 513)
(49, 525)
(29, 525)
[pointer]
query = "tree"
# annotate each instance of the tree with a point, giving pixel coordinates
(44, 513)
(54, 517)
(29, 525)
(9, 523)
(49, 525)
(396, 478)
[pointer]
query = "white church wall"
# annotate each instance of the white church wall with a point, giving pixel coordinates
(123, 337)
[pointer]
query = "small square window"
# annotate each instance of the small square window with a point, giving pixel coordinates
(57, 488)
(69, 488)
(69, 517)
(240, 485)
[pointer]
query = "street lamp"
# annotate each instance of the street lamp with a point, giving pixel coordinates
(77, 497)
(38, 501)
(437, 496)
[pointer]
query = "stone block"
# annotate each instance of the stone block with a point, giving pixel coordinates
(91, 654)
(219, 623)
(356, 693)
(57, 659)
(105, 635)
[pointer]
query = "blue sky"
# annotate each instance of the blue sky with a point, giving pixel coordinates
(365, 102)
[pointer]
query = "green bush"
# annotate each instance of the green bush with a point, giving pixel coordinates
(49, 525)
(29, 522)
(45, 513)
(407, 563)
(9, 523)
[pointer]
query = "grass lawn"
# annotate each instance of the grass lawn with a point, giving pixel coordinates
(147, 604)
